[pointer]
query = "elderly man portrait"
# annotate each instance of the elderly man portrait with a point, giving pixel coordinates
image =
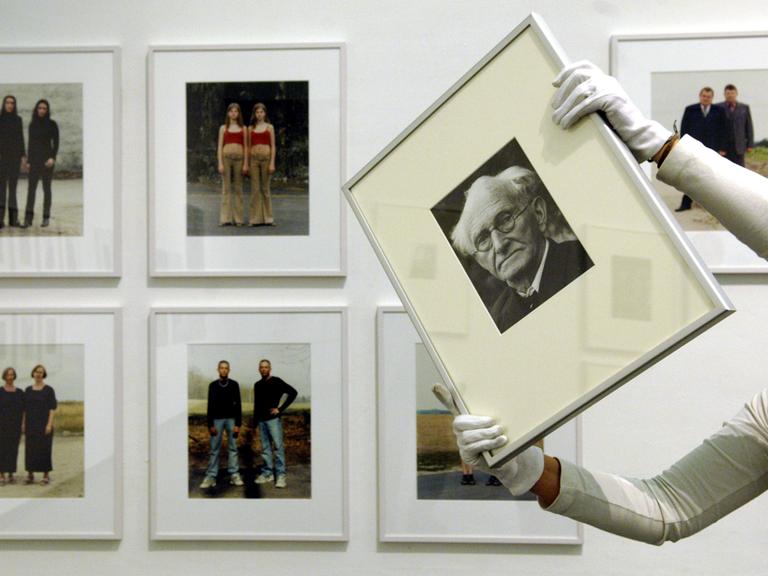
(504, 228)
(739, 136)
(707, 123)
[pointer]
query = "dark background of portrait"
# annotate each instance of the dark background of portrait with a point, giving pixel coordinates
(448, 211)
(287, 108)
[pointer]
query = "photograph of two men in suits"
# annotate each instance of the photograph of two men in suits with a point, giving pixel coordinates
(725, 127)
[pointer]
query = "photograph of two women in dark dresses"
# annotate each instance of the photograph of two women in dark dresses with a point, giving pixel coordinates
(41, 436)
(41, 142)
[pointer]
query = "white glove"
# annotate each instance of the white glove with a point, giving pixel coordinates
(478, 434)
(584, 88)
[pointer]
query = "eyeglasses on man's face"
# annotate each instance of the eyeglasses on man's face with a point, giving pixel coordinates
(504, 222)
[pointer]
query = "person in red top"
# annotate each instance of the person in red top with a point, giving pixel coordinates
(233, 164)
(262, 152)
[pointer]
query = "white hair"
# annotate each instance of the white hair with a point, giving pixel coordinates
(516, 185)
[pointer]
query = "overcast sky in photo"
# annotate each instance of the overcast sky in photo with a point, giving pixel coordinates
(63, 362)
(671, 92)
(291, 362)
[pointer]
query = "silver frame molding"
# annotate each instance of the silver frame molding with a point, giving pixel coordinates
(721, 303)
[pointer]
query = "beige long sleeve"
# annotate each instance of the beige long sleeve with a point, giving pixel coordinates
(727, 470)
(734, 195)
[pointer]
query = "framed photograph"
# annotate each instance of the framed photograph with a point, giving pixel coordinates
(512, 242)
(248, 424)
(674, 79)
(246, 160)
(60, 424)
(60, 161)
(426, 494)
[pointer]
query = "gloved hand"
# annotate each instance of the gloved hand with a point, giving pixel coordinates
(478, 434)
(584, 88)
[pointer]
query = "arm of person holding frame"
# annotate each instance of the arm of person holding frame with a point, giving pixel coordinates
(730, 467)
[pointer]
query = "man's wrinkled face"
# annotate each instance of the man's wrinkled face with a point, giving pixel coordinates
(705, 97)
(507, 235)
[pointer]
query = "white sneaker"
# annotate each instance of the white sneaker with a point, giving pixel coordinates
(235, 480)
(208, 482)
(281, 483)
(264, 479)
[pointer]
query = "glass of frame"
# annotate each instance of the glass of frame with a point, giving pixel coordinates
(431, 502)
(62, 475)
(482, 199)
(286, 369)
(60, 166)
(246, 195)
(664, 74)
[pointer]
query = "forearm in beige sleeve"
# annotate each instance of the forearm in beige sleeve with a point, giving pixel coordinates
(737, 197)
(724, 472)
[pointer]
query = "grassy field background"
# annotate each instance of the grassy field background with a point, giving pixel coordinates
(70, 418)
(436, 444)
(757, 160)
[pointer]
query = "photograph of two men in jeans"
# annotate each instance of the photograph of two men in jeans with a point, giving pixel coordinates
(244, 441)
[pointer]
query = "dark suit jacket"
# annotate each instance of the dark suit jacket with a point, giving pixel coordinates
(739, 136)
(710, 130)
(565, 262)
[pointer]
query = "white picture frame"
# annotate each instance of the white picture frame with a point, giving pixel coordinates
(89, 245)
(323, 516)
(403, 516)
(95, 513)
(635, 58)
(488, 366)
(318, 250)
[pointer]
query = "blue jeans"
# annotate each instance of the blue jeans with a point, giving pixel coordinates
(222, 424)
(271, 432)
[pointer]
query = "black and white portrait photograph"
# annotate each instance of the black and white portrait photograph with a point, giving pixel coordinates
(511, 238)
(41, 159)
(249, 421)
(247, 158)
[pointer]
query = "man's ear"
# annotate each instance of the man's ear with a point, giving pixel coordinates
(539, 207)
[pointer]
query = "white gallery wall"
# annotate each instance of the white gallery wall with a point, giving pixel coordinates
(401, 55)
